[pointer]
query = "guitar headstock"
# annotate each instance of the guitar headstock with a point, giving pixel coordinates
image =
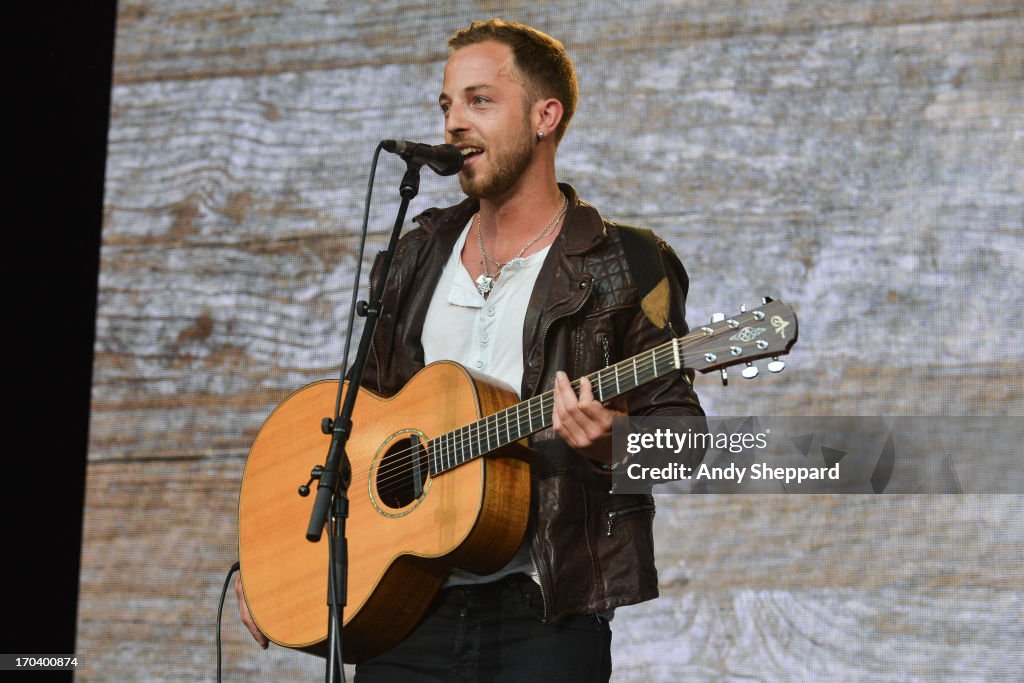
(768, 331)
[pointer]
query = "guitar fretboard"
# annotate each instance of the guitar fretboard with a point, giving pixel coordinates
(456, 447)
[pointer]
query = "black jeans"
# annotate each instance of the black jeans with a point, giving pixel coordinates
(494, 633)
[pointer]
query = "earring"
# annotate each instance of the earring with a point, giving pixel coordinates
(540, 135)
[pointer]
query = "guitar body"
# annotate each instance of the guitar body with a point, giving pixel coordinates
(406, 530)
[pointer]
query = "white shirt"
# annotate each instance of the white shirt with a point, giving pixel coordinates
(485, 336)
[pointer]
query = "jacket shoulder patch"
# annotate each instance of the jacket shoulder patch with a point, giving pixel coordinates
(655, 304)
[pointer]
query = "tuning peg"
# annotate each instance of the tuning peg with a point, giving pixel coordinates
(749, 372)
(765, 300)
(725, 377)
(743, 308)
(717, 317)
(776, 365)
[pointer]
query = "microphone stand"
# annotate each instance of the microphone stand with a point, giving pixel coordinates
(336, 474)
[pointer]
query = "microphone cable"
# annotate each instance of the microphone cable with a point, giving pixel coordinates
(220, 611)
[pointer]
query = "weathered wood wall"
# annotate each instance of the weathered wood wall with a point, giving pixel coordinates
(861, 161)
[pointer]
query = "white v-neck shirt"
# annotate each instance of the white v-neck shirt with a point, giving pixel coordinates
(485, 336)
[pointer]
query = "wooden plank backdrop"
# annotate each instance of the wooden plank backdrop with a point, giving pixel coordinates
(861, 161)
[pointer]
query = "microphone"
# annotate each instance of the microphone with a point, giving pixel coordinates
(443, 159)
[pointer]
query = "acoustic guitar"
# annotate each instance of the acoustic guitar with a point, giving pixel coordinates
(440, 479)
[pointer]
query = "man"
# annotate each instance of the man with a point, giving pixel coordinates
(526, 284)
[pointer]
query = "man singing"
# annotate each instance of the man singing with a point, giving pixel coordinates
(525, 283)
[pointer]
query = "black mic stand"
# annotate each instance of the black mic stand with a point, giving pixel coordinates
(336, 474)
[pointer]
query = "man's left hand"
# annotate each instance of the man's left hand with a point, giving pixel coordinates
(583, 422)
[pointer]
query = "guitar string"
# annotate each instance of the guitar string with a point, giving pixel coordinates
(546, 401)
(398, 465)
(488, 429)
(403, 459)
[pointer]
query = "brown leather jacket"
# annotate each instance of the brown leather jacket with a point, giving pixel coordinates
(593, 549)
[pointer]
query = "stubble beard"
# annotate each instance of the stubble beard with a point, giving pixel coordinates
(507, 167)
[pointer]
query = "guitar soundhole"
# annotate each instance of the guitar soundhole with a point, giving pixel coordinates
(402, 473)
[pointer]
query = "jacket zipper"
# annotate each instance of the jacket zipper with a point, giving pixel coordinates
(615, 514)
(543, 595)
(540, 373)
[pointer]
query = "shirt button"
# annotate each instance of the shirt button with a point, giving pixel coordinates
(484, 339)
(479, 363)
(490, 312)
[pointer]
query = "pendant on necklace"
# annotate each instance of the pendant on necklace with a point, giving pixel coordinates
(484, 284)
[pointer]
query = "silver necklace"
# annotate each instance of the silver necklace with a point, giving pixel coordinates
(485, 283)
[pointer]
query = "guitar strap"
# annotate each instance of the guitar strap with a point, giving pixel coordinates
(645, 258)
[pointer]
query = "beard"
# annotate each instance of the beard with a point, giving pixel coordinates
(507, 167)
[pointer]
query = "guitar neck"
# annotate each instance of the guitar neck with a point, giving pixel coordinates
(523, 419)
(767, 331)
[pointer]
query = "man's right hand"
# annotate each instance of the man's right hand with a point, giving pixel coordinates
(243, 610)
